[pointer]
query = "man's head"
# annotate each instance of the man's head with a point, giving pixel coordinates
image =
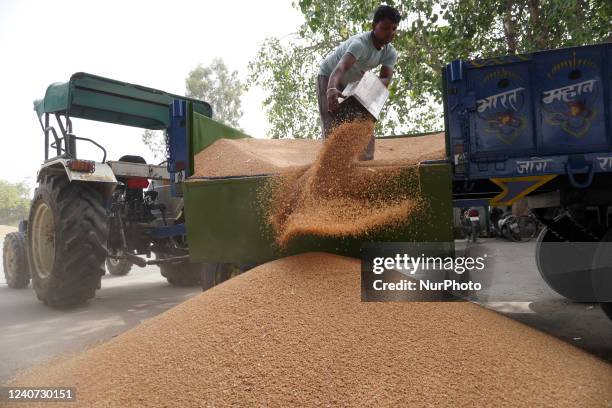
(386, 20)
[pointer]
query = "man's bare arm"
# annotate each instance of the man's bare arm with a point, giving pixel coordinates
(386, 73)
(345, 63)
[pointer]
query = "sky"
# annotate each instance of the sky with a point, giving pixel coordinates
(151, 43)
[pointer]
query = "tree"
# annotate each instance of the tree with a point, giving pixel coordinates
(220, 88)
(14, 202)
(214, 84)
(156, 143)
(433, 33)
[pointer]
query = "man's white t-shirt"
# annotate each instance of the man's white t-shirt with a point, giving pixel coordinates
(361, 46)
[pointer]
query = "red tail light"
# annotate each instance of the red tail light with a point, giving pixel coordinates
(137, 182)
(84, 166)
(473, 213)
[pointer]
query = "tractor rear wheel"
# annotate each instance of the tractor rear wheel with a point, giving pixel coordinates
(67, 234)
(15, 260)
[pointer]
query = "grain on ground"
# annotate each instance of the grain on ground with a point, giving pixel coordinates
(294, 332)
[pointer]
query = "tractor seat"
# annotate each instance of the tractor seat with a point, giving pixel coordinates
(130, 159)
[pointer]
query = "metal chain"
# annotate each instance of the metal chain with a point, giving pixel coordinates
(167, 140)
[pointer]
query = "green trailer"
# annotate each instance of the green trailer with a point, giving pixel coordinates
(226, 223)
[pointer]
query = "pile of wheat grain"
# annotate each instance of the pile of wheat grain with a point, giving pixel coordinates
(294, 332)
(247, 157)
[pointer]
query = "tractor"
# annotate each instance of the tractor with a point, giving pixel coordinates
(87, 216)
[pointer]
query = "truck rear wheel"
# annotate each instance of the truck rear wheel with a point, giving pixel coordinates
(607, 309)
(602, 273)
(565, 266)
(68, 228)
(15, 260)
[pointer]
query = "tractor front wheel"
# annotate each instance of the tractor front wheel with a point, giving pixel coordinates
(118, 267)
(15, 260)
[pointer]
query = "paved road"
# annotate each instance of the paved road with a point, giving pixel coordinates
(32, 332)
(527, 298)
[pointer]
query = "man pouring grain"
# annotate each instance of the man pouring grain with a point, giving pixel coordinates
(348, 62)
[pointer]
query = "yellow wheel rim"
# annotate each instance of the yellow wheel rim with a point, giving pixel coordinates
(43, 240)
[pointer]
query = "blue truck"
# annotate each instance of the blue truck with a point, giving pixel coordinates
(539, 126)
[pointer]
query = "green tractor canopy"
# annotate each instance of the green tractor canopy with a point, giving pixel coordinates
(101, 99)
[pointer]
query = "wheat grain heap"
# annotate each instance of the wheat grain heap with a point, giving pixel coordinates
(294, 332)
(247, 157)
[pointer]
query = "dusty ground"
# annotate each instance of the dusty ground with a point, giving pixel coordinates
(32, 333)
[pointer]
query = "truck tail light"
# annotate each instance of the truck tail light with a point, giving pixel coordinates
(137, 183)
(83, 166)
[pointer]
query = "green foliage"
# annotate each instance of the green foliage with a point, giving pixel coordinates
(289, 72)
(220, 88)
(14, 202)
(156, 143)
(433, 33)
(213, 84)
